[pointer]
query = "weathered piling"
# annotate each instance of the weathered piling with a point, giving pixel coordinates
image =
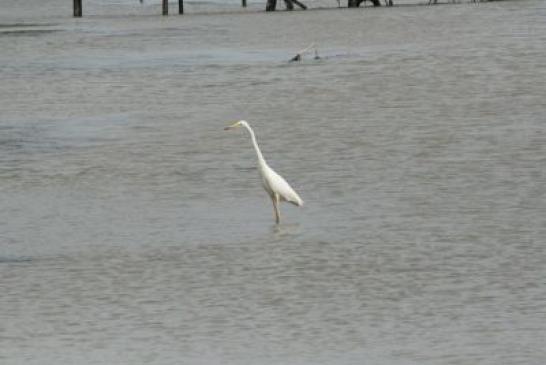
(301, 5)
(165, 7)
(356, 3)
(243, 3)
(180, 6)
(270, 5)
(78, 8)
(289, 4)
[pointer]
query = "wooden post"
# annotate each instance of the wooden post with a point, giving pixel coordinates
(301, 5)
(270, 5)
(180, 6)
(289, 5)
(243, 3)
(356, 3)
(78, 8)
(165, 7)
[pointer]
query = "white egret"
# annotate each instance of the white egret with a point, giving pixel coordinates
(274, 184)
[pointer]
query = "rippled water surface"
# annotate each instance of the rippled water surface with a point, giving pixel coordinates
(133, 228)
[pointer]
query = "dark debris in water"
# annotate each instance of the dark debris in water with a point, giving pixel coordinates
(26, 29)
(26, 25)
(26, 32)
(15, 260)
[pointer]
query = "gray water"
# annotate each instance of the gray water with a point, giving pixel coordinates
(133, 228)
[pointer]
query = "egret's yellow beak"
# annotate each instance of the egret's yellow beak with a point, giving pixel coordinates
(234, 125)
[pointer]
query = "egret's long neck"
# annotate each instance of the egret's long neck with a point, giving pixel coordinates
(261, 158)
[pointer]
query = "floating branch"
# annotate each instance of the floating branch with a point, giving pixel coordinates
(299, 55)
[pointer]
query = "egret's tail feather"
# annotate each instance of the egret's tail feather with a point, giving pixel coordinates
(297, 201)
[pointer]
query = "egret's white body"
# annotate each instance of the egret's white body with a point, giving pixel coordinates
(274, 184)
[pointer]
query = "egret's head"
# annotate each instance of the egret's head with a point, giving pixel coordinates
(240, 123)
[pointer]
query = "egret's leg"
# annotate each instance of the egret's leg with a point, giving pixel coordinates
(275, 199)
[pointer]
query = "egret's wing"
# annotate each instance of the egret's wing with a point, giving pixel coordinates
(279, 185)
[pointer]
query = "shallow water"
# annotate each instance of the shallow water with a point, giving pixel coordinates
(133, 228)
